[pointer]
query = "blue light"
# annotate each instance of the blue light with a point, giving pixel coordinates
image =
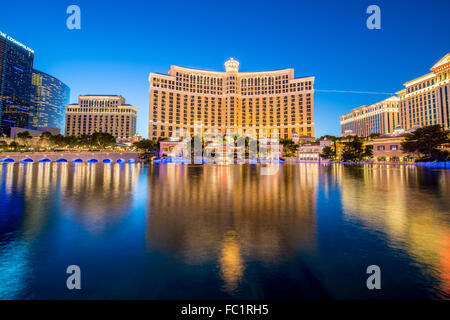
(61, 160)
(7, 160)
(92, 161)
(77, 160)
(177, 160)
(26, 160)
(121, 161)
(18, 69)
(131, 161)
(45, 160)
(107, 161)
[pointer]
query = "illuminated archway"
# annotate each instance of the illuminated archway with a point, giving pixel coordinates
(7, 160)
(77, 160)
(107, 161)
(61, 160)
(92, 161)
(26, 160)
(45, 160)
(121, 161)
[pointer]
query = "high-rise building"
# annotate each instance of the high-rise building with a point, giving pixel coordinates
(425, 101)
(381, 117)
(186, 98)
(101, 113)
(49, 102)
(16, 67)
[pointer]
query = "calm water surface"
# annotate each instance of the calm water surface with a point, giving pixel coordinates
(213, 232)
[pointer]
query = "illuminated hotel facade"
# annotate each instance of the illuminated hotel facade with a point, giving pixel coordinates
(381, 117)
(50, 97)
(99, 113)
(16, 71)
(186, 98)
(424, 101)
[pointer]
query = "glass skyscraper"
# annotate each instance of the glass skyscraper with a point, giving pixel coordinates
(50, 99)
(16, 68)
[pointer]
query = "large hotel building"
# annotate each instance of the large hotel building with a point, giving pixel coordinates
(50, 97)
(186, 98)
(98, 113)
(381, 117)
(424, 101)
(16, 71)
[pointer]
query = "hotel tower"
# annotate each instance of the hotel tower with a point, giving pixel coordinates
(98, 113)
(426, 100)
(423, 102)
(381, 117)
(186, 99)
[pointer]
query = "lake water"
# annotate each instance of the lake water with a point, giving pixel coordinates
(218, 232)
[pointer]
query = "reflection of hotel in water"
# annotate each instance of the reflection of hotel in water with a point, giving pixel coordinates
(417, 231)
(217, 213)
(86, 191)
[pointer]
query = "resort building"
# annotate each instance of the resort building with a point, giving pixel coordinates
(388, 148)
(311, 151)
(425, 101)
(381, 117)
(50, 97)
(101, 113)
(190, 101)
(172, 149)
(16, 68)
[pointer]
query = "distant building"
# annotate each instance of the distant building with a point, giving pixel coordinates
(381, 117)
(16, 67)
(101, 113)
(172, 149)
(186, 100)
(50, 97)
(137, 137)
(34, 131)
(426, 100)
(388, 148)
(312, 151)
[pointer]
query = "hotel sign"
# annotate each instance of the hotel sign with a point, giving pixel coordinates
(4, 35)
(443, 67)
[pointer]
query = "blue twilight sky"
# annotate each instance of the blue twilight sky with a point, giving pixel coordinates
(121, 42)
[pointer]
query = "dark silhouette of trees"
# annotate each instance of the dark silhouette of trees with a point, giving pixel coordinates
(426, 141)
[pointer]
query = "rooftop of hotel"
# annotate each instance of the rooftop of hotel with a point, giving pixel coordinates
(230, 66)
(100, 95)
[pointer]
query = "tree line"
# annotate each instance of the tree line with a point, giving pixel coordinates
(425, 143)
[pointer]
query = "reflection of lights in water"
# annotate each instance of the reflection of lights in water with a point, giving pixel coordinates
(126, 174)
(28, 180)
(91, 177)
(231, 262)
(107, 177)
(382, 199)
(116, 178)
(445, 260)
(9, 178)
(64, 175)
